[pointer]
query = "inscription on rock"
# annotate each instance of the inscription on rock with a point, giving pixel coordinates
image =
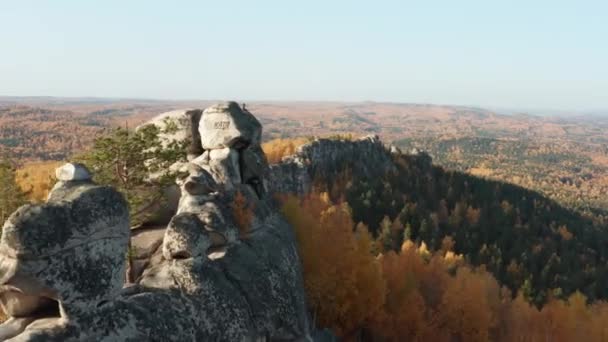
(223, 125)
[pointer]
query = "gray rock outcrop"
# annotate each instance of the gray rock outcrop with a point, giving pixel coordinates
(364, 158)
(213, 276)
(60, 259)
(223, 138)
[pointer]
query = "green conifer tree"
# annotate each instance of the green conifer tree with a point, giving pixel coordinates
(11, 195)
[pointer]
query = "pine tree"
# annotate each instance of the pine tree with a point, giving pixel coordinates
(423, 231)
(527, 291)
(385, 240)
(137, 164)
(11, 195)
(407, 233)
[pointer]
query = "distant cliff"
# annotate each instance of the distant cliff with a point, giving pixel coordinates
(325, 159)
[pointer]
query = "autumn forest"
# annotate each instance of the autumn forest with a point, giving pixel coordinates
(489, 227)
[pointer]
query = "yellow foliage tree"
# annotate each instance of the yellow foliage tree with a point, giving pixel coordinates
(243, 214)
(403, 314)
(36, 179)
(343, 279)
(276, 149)
(469, 305)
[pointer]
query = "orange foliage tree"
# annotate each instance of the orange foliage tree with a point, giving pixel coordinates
(276, 149)
(36, 179)
(243, 213)
(343, 279)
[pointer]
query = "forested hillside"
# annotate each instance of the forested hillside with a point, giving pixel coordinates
(528, 242)
(427, 254)
(30, 133)
(364, 293)
(572, 173)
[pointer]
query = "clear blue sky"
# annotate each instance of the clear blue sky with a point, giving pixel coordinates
(523, 54)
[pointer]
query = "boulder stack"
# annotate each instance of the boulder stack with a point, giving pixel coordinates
(230, 139)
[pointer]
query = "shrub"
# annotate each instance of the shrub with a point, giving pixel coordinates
(276, 149)
(243, 214)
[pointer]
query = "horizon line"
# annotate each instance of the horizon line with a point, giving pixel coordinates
(492, 108)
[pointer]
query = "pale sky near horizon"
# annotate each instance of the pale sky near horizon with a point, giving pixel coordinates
(517, 54)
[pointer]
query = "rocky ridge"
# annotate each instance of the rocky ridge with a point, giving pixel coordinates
(366, 157)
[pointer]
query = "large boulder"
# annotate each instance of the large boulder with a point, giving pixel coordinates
(178, 118)
(72, 172)
(228, 125)
(224, 166)
(187, 237)
(178, 126)
(59, 259)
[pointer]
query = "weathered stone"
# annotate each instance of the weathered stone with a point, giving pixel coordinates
(180, 119)
(228, 125)
(186, 237)
(145, 241)
(72, 172)
(203, 159)
(259, 205)
(254, 168)
(14, 326)
(260, 275)
(224, 166)
(162, 211)
(199, 182)
(64, 257)
(214, 211)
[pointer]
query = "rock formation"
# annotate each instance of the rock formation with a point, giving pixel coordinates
(210, 278)
(60, 259)
(366, 158)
